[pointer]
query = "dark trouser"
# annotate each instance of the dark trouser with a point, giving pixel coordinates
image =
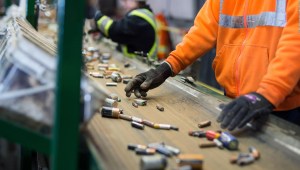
(289, 115)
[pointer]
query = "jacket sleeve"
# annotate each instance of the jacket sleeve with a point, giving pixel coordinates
(200, 38)
(284, 70)
(122, 30)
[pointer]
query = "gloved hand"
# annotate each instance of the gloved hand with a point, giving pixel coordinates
(90, 11)
(98, 15)
(148, 80)
(242, 110)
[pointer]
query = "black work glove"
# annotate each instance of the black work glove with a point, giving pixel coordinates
(148, 80)
(242, 110)
(98, 15)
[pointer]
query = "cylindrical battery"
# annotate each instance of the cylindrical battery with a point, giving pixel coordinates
(200, 134)
(162, 126)
(140, 102)
(204, 124)
(136, 146)
(255, 153)
(245, 160)
(174, 150)
(125, 117)
(147, 151)
(211, 135)
(116, 77)
(148, 123)
(136, 119)
(111, 103)
(160, 108)
(137, 125)
(207, 145)
(134, 104)
(111, 84)
(160, 149)
(156, 162)
(229, 141)
(111, 112)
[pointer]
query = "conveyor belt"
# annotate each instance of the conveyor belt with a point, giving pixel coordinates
(184, 107)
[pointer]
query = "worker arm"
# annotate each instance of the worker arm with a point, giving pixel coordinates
(200, 38)
(123, 30)
(284, 70)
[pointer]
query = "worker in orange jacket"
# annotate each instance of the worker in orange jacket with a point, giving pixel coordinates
(257, 60)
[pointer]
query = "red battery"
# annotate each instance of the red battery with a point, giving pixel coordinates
(211, 135)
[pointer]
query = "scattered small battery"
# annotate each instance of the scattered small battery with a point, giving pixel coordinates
(137, 125)
(113, 69)
(165, 126)
(174, 150)
(254, 152)
(102, 66)
(135, 104)
(156, 162)
(111, 112)
(234, 159)
(126, 81)
(229, 141)
(148, 123)
(245, 160)
(211, 135)
(204, 124)
(147, 151)
(111, 102)
(136, 146)
(137, 119)
(193, 160)
(106, 56)
(140, 102)
(127, 77)
(114, 97)
(90, 67)
(116, 77)
(127, 64)
(96, 75)
(161, 149)
(111, 84)
(200, 134)
(160, 108)
(208, 145)
(125, 117)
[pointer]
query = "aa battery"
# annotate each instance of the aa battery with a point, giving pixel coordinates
(148, 123)
(161, 149)
(204, 124)
(147, 151)
(136, 146)
(125, 117)
(116, 77)
(111, 84)
(136, 119)
(160, 108)
(140, 102)
(234, 159)
(137, 125)
(111, 103)
(126, 77)
(174, 150)
(96, 75)
(229, 141)
(207, 145)
(156, 162)
(211, 135)
(111, 112)
(164, 126)
(245, 160)
(200, 134)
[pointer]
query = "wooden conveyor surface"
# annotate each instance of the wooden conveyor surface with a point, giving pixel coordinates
(184, 107)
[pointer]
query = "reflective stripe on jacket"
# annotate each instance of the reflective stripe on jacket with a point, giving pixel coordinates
(258, 47)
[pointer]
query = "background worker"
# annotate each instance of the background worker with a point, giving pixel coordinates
(136, 32)
(257, 61)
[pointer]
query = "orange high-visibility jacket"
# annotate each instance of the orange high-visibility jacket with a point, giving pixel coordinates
(258, 47)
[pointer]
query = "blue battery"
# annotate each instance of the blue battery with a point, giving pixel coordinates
(229, 141)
